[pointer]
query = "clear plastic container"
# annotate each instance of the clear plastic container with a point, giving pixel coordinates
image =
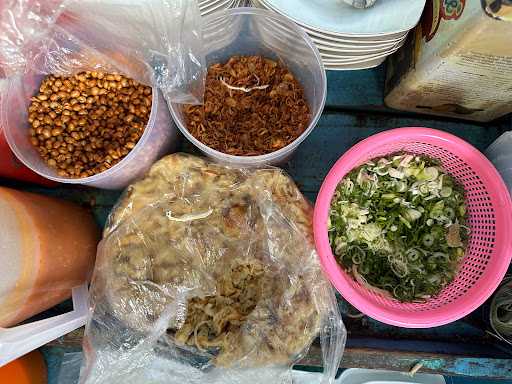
(158, 138)
(500, 154)
(251, 31)
(373, 376)
(501, 149)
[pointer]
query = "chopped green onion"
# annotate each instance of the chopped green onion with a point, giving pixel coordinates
(428, 240)
(396, 173)
(413, 254)
(446, 191)
(398, 225)
(438, 232)
(401, 186)
(449, 212)
(404, 221)
(429, 173)
(423, 188)
(412, 214)
(358, 255)
(364, 269)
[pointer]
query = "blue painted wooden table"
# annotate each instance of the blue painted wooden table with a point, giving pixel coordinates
(354, 110)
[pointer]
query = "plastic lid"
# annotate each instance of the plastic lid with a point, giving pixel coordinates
(371, 376)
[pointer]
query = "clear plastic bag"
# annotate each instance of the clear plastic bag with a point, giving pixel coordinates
(69, 370)
(208, 274)
(156, 42)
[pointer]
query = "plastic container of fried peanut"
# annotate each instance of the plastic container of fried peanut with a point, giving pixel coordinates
(252, 31)
(158, 138)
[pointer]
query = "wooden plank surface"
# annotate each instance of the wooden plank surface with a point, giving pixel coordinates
(356, 90)
(439, 363)
(337, 132)
(442, 364)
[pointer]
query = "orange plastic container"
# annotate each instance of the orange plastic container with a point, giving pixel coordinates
(12, 168)
(29, 369)
(48, 246)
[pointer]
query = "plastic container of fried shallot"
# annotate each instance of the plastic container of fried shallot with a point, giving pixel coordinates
(158, 137)
(252, 31)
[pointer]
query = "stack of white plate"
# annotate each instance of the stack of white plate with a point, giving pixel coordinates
(209, 6)
(347, 37)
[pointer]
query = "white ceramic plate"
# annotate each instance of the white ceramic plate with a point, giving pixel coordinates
(345, 58)
(335, 16)
(271, 32)
(344, 61)
(271, 35)
(208, 3)
(211, 3)
(340, 37)
(356, 46)
(348, 57)
(356, 52)
(363, 46)
(214, 5)
(225, 4)
(358, 39)
(354, 67)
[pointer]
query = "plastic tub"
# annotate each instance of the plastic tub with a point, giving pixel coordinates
(489, 210)
(251, 31)
(157, 139)
(373, 376)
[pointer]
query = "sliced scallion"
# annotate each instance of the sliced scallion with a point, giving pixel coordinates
(398, 225)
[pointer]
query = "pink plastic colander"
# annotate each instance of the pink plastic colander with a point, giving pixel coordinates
(490, 219)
